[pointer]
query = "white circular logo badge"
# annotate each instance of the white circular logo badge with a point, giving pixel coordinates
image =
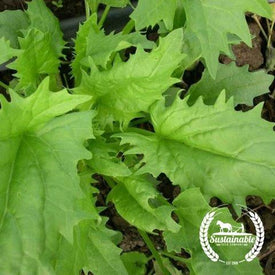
(225, 240)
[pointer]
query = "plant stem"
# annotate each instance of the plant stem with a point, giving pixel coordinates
(176, 258)
(270, 35)
(260, 26)
(5, 86)
(139, 121)
(87, 9)
(104, 16)
(268, 25)
(110, 182)
(153, 250)
(128, 27)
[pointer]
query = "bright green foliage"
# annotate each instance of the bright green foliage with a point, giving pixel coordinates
(36, 58)
(52, 143)
(11, 23)
(209, 21)
(204, 145)
(237, 81)
(136, 200)
(135, 262)
(92, 42)
(191, 209)
(129, 88)
(39, 183)
(149, 13)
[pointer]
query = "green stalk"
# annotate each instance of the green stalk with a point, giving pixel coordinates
(5, 86)
(128, 27)
(110, 182)
(270, 35)
(104, 16)
(260, 26)
(176, 258)
(87, 9)
(153, 250)
(140, 121)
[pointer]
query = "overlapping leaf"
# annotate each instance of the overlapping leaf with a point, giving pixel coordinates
(105, 160)
(94, 250)
(92, 42)
(135, 262)
(209, 21)
(228, 154)
(40, 193)
(191, 209)
(11, 23)
(237, 82)
(150, 12)
(35, 59)
(129, 88)
(40, 45)
(134, 200)
(6, 52)
(38, 14)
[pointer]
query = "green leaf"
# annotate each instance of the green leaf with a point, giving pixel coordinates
(105, 160)
(6, 52)
(209, 21)
(40, 192)
(134, 199)
(135, 262)
(149, 13)
(191, 209)
(92, 42)
(129, 88)
(11, 23)
(237, 82)
(35, 60)
(227, 154)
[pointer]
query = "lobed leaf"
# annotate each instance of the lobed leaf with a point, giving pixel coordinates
(92, 42)
(129, 88)
(149, 13)
(35, 59)
(227, 154)
(40, 195)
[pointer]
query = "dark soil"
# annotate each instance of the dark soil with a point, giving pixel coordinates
(132, 241)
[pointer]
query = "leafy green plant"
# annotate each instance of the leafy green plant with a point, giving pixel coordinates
(55, 137)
